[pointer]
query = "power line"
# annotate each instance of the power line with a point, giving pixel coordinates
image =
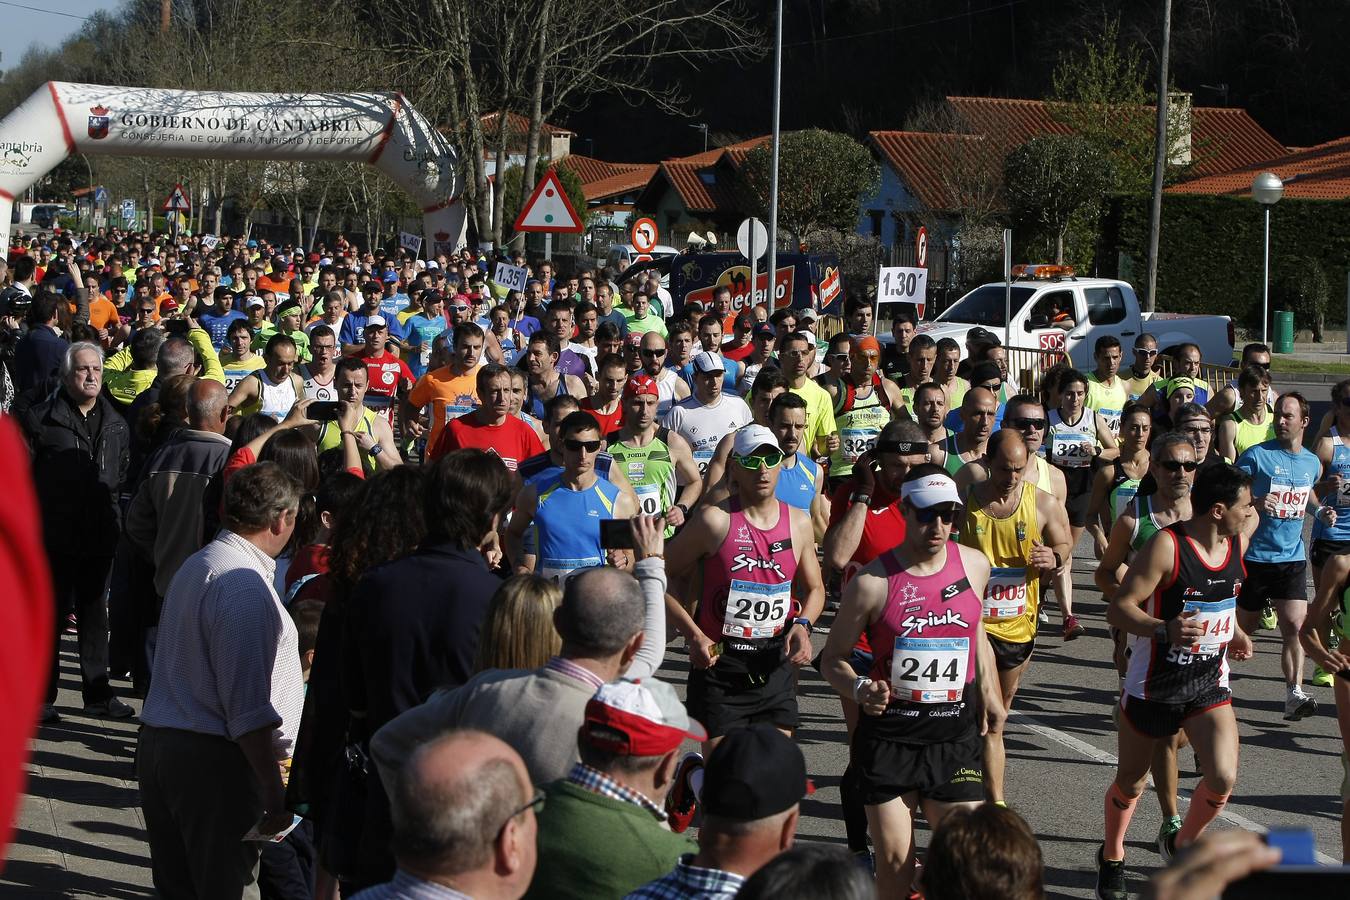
(906, 26)
(50, 12)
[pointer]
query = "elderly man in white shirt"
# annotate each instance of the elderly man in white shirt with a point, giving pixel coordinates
(225, 699)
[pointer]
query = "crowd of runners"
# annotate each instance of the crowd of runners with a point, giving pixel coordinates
(393, 557)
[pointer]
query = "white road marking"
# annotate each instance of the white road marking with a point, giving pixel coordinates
(1109, 759)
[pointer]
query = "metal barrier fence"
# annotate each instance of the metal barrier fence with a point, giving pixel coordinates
(1026, 365)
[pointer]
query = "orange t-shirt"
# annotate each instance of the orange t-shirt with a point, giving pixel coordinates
(449, 396)
(276, 286)
(101, 311)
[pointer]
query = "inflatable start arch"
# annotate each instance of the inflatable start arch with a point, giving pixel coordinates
(379, 129)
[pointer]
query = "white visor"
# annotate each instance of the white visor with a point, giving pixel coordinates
(930, 491)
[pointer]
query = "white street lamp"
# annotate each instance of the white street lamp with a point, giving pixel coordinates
(1267, 189)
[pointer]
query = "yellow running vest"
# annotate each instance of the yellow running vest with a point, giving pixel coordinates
(1013, 596)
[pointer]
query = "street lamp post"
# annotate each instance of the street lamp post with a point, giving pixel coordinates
(1267, 189)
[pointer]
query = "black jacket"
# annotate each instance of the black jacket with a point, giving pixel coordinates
(37, 358)
(78, 481)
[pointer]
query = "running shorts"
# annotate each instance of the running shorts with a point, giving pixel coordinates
(1156, 719)
(1323, 550)
(725, 700)
(950, 772)
(1009, 655)
(1272, 581)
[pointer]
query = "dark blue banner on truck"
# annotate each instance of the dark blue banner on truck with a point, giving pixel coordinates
(802, 280)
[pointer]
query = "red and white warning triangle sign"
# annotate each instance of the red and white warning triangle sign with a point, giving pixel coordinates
(178, 200)
(548, 208)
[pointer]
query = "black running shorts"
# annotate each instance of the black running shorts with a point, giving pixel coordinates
(950, 772)
(1156, 719)
(1272, 581)
(723, 700)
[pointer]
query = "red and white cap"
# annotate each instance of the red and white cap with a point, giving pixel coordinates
(641, 384)
(638, 718)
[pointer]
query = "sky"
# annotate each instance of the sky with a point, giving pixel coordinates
(46, 22)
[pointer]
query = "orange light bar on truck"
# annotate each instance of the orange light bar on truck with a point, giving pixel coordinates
(1042, 271)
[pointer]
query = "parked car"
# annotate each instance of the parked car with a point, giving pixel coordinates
(1053, 309)
(44, 215)
(621, 256)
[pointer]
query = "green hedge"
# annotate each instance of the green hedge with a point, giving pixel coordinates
(1211, 248)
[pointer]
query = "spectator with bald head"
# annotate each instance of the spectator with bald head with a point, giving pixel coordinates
(166, 519)
(464, 821)
(603, 621)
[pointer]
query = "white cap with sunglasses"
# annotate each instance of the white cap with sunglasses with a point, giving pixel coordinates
(751, 437)
(931, 490)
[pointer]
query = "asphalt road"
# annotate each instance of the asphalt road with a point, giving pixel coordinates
(1061, 751)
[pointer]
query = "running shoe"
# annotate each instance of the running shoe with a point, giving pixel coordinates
(112, 708)
(1268, 620)
(1072, 628)
(1043, 617)
(1321, 678)
(681, 802)
(1298, 705)
(1111, 878)
(1167, 838)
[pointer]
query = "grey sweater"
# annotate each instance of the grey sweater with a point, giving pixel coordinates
(538, 713)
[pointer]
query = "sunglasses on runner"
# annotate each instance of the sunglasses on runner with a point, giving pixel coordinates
(1265, 366)
(757, 461)
(588, 446)
(1146, 352)
(658, 353)
(1176, 465)
(459, 307)
(1023, 423)
(930, 515)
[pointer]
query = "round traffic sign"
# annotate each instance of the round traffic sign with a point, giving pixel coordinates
(752, 231)
(921, 248)
(644, 235)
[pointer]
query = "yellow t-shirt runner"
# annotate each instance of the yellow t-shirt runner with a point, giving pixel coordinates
(1108, 399)
(1013, 597)
(819, 416)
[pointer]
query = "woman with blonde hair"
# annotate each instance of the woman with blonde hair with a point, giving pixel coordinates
(518, 632)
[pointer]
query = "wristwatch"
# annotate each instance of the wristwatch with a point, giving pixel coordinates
(1059, 563)
(1160, 633)
(682, 508)
(860, 497)
(804, 622)
(375, 450)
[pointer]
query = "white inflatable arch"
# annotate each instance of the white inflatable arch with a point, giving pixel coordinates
(60, 119)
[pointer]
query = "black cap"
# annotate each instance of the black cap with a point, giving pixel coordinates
(755, 772)
(982, 334)
(985, 371)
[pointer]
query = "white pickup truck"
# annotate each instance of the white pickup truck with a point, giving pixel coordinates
(1065, 312)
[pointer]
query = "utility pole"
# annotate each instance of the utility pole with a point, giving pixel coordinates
(165, 8)
(1160, 152)
(773, 168)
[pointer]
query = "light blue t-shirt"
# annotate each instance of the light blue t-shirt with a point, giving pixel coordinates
(1290, 476)
(421, 331)
(798, 485)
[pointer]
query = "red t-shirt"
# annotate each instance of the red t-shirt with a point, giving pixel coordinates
(608, 421)
(740, 354)
(512, 440)
(883, 530)
(386, 373)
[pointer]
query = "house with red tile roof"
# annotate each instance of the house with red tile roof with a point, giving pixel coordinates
(930, 178)
(1309, 173)
(698, 192)
(611, 189)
